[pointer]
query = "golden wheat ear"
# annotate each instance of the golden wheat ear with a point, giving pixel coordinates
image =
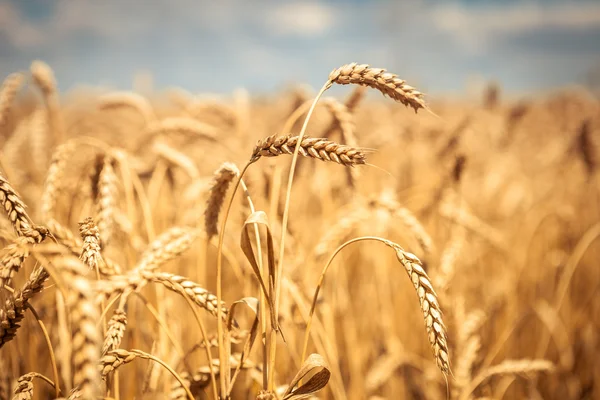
(378, 78)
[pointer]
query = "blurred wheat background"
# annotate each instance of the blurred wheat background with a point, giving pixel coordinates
(430, 246)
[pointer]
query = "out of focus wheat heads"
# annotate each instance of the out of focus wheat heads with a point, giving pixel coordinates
(118, 280)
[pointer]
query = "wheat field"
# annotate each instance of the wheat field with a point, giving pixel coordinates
(301, 245)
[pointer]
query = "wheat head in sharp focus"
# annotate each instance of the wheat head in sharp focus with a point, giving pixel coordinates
(436, 330)
(377, 78)
(115, 331)
(321, 149)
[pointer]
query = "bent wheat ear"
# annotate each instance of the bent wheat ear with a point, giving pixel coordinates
(15, 210)
(115, 332)
(322, 149)
(436, 330)
(378, 78)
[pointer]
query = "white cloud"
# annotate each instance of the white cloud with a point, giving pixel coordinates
(477, 25)
(301, 19)
(19, 32)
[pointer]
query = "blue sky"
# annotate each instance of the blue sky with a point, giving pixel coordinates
(217, 46)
